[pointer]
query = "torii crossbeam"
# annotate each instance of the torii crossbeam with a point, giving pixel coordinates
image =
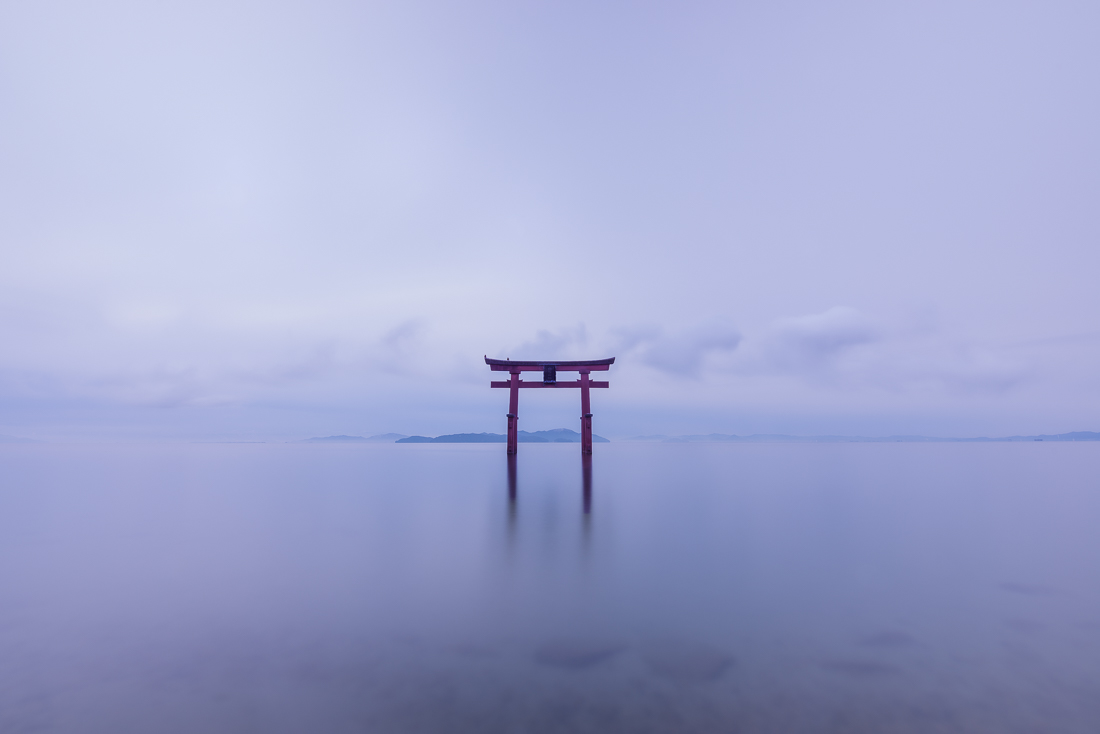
(549, 372)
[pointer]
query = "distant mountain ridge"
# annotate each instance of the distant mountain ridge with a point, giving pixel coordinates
(783, 438)
(17, 439)
(380, 438)
(556, 435)
(565, 435)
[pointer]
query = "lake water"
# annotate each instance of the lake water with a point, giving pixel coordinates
(708, 588)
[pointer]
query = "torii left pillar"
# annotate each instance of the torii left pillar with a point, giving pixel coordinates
(513, 413)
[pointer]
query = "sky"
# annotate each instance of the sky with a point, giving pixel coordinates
(272, 220)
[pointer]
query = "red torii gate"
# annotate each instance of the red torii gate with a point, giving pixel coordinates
(549, 379)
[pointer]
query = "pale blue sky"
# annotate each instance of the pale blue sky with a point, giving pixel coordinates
(272, 220)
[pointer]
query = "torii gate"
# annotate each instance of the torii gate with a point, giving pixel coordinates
(549, 379)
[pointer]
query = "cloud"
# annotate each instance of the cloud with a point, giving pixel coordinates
(843, 348)
(398, 350)
(681, 354)
(813, 343)
(402, 336)
(956, 369)
(567, 343)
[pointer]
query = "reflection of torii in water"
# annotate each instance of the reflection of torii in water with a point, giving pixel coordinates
(549, 379)
(586, 484)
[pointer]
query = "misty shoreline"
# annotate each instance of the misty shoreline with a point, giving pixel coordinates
(565, 435)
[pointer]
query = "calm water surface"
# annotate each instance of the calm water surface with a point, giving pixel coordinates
(708, 588)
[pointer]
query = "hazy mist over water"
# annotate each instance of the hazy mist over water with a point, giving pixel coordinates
(384, 588)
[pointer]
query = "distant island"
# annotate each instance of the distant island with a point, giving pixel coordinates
(380, 438)
(782, 438)
(17, 439)
(556, 435)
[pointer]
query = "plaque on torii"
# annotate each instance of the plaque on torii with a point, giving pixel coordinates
(549, 372)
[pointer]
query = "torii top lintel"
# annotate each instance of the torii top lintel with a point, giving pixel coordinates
(516, 365)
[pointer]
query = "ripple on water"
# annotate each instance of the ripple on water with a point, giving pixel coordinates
(860, 668)
(888, 639)
(687, 662)
(575, 654)
(1028, 589)
(1024, 626)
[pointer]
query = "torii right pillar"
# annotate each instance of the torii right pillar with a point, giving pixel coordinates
(586, 414)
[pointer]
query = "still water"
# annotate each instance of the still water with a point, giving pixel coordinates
(707, 588)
